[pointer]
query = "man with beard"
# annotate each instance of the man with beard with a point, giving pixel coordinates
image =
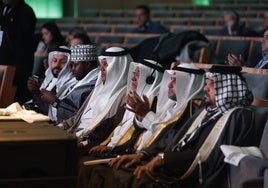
(58, 79)
(84, 63)
(104, 107)
(190, 157)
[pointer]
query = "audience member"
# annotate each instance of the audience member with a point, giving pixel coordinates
(84, 63)
(52, 39)
(52, 36)
(17, 25)
(143, 20)
(265, 23)
(233, 60)
(190, 157)
(232, 27)
(77, 35)
(172, 104)
(58, 79)
(143, 79)
(104, 108)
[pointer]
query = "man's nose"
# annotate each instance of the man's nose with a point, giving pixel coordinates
(170, 85)
(205, 88)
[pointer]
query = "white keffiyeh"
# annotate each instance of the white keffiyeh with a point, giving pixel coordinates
(143, 88)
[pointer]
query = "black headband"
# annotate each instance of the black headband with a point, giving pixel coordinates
(121, 53)
(153, 66)
(63, 49)
(193, 71)
(223, 69)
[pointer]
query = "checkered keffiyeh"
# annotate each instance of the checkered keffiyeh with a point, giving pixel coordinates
(83, 53)
(231, 91)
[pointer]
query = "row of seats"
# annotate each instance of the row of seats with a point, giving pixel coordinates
(121, 28)
(248, 47)
(168, 13)
(246, 6)
(166, 21)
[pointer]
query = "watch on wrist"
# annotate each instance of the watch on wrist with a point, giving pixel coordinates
(56, 103)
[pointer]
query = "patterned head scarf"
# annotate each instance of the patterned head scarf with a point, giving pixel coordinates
(231, 89)
(83, 53)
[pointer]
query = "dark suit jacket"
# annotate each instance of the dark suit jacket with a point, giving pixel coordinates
(18, 41)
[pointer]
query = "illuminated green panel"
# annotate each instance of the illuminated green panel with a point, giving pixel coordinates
(200, 2)
(46, 8)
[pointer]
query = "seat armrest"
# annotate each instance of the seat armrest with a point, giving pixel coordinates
(249, 167)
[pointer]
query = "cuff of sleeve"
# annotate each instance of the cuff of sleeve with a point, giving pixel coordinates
(148, 119)
(138, 123)
(84, 143)
(56, 103)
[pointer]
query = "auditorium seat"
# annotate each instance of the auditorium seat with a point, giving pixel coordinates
(207, 8)
(113, 14)
(212, 31)
(111, 39)
(71, 21)
(154, 7)
(165, 14)
(169, 22)
(89, 13)
(122, 21)
(130, 40)
(247, 1)
(122, 29)
(129, 14)
(179, 7)
(94, 21)
(203, 22)
(102, 29)
(248, 15)
(7, 90)
(234, 46)
(222, 1)
(182, 29)
(192, 14)
(255, 54)
(256, 7)
(250, 167)
(213, 15)
(235, 7)
(255, 23)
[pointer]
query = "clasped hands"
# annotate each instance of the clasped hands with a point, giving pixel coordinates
(134, 159)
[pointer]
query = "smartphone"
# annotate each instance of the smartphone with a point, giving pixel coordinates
(35, 78)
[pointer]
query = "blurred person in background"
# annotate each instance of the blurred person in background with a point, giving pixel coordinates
(143, 20)
(17, 25)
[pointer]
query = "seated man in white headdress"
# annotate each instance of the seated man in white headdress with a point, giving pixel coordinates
(173, 103)
(176, 102)
(84, 63)
(58, 78)
(104, 108)
(144, 79)
(190, 157)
